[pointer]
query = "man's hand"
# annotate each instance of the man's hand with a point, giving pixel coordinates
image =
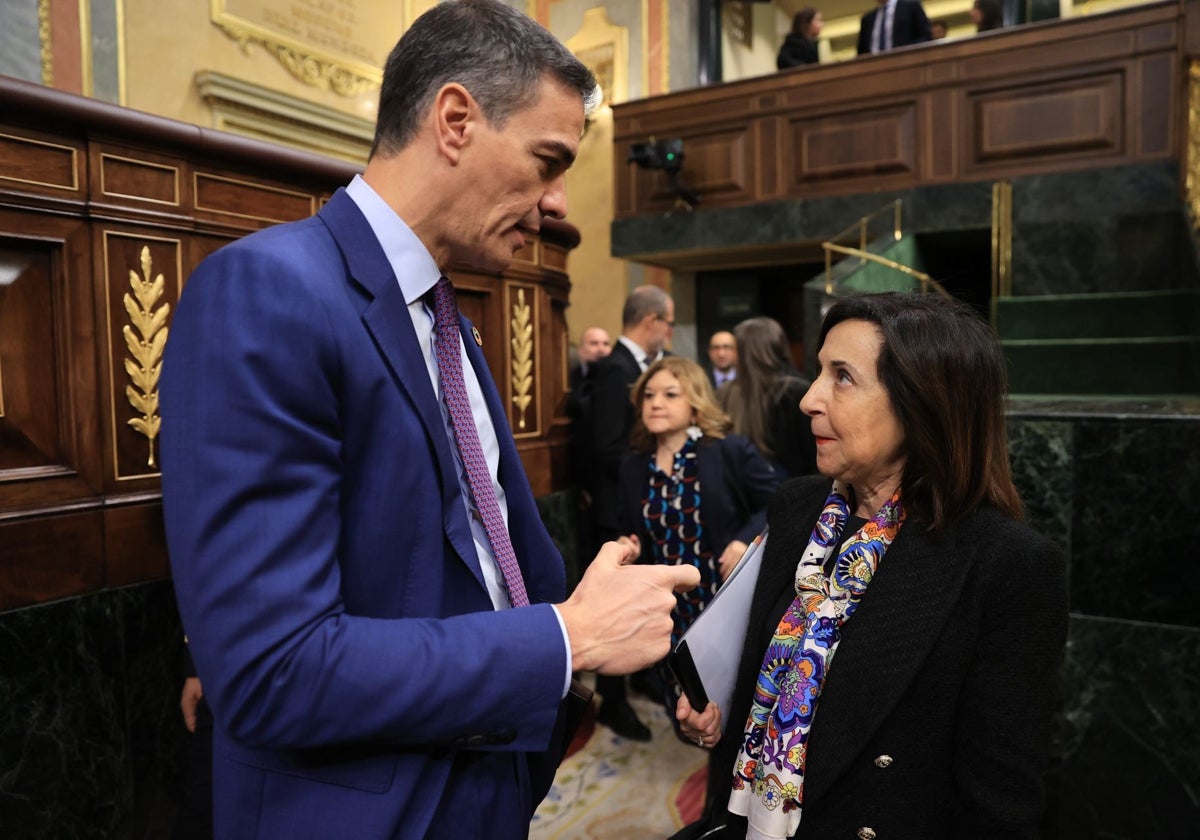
(188, 700)
(619, 616)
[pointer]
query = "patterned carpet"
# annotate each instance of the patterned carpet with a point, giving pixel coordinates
(614, 789)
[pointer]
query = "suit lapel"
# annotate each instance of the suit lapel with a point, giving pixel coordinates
(916, 587)
(387, 319)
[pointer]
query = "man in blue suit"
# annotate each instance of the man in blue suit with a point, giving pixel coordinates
(352, 605)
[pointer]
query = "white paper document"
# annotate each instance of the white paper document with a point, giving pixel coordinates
(714, 641)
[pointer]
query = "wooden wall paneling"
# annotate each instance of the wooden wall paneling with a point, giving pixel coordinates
(719, 164)
(42, 164)
(476, 300)
(50, 557)
(135, 542)
(246, 203)
(1155, 119)
(50, 451)
(624, 187)
(1078, 118)
(555, 361)
(855, 146)
(1089, 91)
(131, 182)
(141, 273)
(769, 163)
(944, 135)
(198, 246)
(864, 86)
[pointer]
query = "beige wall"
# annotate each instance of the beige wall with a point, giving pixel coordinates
(167, 42)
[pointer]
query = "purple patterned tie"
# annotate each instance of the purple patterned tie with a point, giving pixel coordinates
(454, 391)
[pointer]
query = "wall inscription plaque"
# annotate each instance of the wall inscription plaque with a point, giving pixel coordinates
(336, 45)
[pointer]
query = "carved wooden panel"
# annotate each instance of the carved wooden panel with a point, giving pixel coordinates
(139, 180)
(1100, 90)
(48, 449)
(1156, 84)
(135, 543)
(50, 557)
(242, 201)
(769, 154)
(1082, 116)
(853, 145)
(32, 163)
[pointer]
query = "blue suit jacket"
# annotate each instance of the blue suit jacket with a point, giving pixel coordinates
(361, 682)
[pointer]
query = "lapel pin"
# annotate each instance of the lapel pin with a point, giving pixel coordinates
(478, 337)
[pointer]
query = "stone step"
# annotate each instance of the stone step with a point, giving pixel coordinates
(1124, 366)
(1171, 312)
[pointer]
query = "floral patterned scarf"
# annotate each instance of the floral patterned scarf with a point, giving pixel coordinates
(768, 779)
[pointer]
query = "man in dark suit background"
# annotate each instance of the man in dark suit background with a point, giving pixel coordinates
(891, 24)
(646, 324)
(594, 344)
(373, 605)
(722, 353)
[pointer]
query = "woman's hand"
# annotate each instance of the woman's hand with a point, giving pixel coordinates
(702, 727)
(730, 557)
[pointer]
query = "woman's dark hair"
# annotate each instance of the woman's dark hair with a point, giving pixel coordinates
(991, 15)
(802, 21)
(497, 53)
(764, 372)
(945, 375)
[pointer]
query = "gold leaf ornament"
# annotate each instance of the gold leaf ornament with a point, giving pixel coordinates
(145, 338)
(522, 356)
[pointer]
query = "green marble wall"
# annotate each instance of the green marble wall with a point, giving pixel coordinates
(91, 738)
(1112, 229)
(1117, 485)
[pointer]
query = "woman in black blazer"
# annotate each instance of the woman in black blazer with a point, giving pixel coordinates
(800, 45)
(934, 721)
(690, 494)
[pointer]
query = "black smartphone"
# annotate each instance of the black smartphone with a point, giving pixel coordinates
(684, 668)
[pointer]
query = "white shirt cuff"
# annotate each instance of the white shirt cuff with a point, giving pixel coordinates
(567, 646)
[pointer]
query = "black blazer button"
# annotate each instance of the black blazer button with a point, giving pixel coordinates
(883, 761)
(866, 833)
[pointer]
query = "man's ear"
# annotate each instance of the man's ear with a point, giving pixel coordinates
(454, 113)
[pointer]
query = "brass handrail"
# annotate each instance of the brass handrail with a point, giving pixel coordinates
(924, 279)
(861, 227)
(861, 224)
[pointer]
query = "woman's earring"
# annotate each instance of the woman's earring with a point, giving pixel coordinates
(695, 432)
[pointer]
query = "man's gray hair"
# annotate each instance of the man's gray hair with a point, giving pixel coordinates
(497, 53)
(643, 301)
